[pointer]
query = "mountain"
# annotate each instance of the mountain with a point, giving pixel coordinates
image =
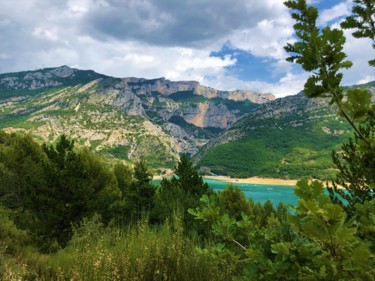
(127, 118)
(33, 82)
(289, 137)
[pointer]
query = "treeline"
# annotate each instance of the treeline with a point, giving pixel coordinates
(65, 214)
(52, 187)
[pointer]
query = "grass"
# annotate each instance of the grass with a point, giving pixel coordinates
(138, 252)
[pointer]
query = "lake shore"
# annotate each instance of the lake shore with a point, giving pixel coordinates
(253, 180)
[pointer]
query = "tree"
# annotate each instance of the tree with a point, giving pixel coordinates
(22, 177)
(319, 51)
(124, 176)
(324, 238)
(181, 192)
(77, 185)
(188, 178)
(139, 196)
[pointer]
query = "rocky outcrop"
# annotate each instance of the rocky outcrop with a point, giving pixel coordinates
(154, 95)
(246, 95)
(167, 87)
(161, 85)
(238, 95)
(99, 110)
(209, 114)
(46, 78)
(129, 103)
(62, 71)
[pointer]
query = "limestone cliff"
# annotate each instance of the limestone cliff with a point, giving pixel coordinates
(124, 117)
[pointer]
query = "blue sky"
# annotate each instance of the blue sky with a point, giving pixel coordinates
(248, 65)
(225, 44)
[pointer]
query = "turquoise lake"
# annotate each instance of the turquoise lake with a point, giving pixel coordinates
(259, 192)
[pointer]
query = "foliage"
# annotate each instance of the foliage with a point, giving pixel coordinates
(356, 173)
(290, 246)
(52, 187)
(180, 192)
(137, 252)
(271, 152)
(320, 53)
(139, 194)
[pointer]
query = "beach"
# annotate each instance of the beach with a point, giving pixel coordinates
(253, 180)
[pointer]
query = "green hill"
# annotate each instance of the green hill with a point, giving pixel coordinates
(290, 137)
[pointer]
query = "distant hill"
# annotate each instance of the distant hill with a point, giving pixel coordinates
(289, 137)
(126, 118)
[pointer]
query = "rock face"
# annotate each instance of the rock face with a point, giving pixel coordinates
(297, 110)
(46, 78)
(234, 95)
(127, 117)
(196, 104)
(210, 115)
(156, 119)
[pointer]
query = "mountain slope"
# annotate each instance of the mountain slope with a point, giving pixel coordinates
(290, 137)
(127, 118)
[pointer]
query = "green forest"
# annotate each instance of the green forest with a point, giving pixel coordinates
(65, 214)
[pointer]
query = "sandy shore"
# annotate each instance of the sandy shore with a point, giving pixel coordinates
(254, 180)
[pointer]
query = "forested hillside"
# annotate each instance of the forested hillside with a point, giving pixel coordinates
(290, 137)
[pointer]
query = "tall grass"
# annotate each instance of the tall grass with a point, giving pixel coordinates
(138, 252)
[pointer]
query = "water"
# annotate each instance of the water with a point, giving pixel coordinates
(261, 192)
(258, 192)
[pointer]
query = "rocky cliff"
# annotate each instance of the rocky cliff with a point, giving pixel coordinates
(45, 78)
(124, 117)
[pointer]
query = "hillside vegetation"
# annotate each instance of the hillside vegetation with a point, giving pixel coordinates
(291, 137)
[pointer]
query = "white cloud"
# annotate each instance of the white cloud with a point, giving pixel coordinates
(45, 34)
(290, 84)
(266, 38)
(359, 51)
(338, 11)
(159, 38)
(366, 79)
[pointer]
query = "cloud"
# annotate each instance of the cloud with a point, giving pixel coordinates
(336, 12)
(176, 23)
(289, 84)
(359, 51)
(155, 38)
(45, 34)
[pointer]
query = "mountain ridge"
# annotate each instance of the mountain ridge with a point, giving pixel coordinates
(238, 133)
(167, 117)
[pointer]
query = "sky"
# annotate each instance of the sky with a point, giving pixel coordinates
(224, 44)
